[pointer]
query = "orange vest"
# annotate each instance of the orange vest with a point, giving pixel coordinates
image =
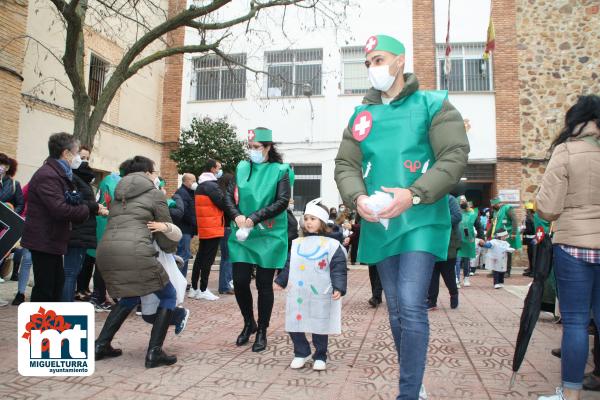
(209, 218)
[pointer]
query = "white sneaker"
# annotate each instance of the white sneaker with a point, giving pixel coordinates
(206, 295)
(497, 286)
(193, 294)
(423, 393)
(299, 362)
(319, 365)
(466, 282)
(557, 396)
(501, 285)
(1, 280)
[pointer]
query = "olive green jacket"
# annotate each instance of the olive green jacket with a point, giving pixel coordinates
(448, 140)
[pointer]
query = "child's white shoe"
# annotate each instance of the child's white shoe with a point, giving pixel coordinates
(497, 286)
(319, 365)
(299, 362)
(466, 282)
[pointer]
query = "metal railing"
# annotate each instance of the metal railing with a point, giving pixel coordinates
(469, 71)
(214, 78)
(98, 70)
(290, 71)
(355, 76)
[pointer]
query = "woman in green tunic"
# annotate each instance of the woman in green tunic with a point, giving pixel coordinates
(257, 201)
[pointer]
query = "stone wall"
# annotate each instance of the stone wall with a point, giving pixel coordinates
(558, 46)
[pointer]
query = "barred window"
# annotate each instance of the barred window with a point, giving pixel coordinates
(469, 71)
(356, 80)
(214, 78)
(307, 184)
(290, 70)
(97, 76)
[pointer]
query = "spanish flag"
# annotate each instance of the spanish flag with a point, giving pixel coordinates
(490, 45)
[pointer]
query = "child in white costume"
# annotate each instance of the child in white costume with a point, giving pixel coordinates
(496, 256)
(316, 278)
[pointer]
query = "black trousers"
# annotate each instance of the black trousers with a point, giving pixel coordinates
(49, 276)
(99, 293)
(596, 351)
(85, 275)
(508, 263)
(354, 250)
(264, 284)
(530, 254)
(448, 273)
(204, 261)
(376, 288)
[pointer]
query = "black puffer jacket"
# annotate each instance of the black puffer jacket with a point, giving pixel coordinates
(187, 224)
(84, 235)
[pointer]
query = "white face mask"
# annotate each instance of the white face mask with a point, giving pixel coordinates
(256, 156)
(76, 162)
(380, 78)
(194, 186)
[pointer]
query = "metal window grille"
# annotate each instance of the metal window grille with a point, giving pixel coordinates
(480, 172)
(307, 184)
(356, 80)
(469, 72)
(290, 70)
(98, 70)
(214, 78)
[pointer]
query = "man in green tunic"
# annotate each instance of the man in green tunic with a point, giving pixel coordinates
(411, 144)
(506, 218)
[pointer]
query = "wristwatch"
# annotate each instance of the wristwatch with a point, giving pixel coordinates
(416, 199)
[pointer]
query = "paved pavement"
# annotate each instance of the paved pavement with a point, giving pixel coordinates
(470, 354)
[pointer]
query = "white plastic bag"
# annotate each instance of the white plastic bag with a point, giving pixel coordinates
(150, 301)
(242, 234)
(378, 202)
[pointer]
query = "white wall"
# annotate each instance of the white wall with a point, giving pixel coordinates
(480, 110)
(304, 139)
(468, 20)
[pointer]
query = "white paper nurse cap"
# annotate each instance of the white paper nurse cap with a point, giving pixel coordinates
(313, 208)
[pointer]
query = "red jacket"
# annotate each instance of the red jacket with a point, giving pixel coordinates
(210, 218)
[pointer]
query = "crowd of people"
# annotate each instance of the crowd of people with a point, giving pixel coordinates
(397, 216)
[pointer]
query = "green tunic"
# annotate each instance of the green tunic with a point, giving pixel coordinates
(394, 142)
(266, 245)
(467, 224)
(106, 193)
(504, 221)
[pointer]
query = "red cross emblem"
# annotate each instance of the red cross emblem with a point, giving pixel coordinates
(362, 126)
(270, 223)
(540, 234)
(322, 264)
(251, 135)
(371, 44)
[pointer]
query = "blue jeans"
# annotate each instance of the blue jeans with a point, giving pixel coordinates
(72, 265)
(183, 251)
(225, 268)
(302, 347)
(463, 263)
(578, 284)
(167, 296)
(405, 279)
(24, 270)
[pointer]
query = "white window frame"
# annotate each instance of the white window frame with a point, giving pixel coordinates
(222, 66)
(459, 53)
(357, 59)
(296, 86)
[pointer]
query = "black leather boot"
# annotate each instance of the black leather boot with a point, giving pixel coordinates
(260, 342)
(249, 329)
(112, 324)
(156, 357)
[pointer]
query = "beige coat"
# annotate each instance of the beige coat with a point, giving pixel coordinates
(570, 190)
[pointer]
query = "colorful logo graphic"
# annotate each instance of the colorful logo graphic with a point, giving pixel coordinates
(56, 339)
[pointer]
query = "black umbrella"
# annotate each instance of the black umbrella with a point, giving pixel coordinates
(533, 301)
